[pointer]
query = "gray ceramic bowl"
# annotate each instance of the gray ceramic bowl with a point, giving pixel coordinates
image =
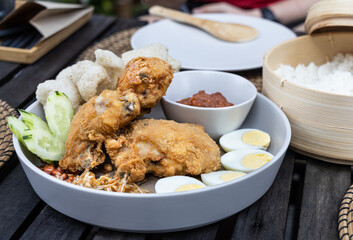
(170, 211)
(217, 121)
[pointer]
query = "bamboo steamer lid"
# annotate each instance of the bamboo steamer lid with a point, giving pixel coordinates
(330, 15)
(321, 122)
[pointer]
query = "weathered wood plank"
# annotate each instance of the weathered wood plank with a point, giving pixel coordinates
(51, 224)
(324, 187)
(7, 69)
(120, 25)
(295, 198)
(124, 24)
(205, 232)
(17, 200)
(266, 218)
(226, 228)
(22, 87)
(104, 234)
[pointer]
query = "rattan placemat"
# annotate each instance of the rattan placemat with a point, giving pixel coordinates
(119, 43)
(6, 146)
(345, 216)
(255, 76)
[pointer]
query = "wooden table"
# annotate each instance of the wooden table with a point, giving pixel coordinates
(302, 203)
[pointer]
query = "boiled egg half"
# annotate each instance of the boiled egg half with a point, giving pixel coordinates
(245, 160)
(221, 176)
(245, 138)
(177, 184)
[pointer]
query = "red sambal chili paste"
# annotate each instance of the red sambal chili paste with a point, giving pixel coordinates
(203, 99)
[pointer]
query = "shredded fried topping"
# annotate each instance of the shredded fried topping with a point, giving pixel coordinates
(88, 179)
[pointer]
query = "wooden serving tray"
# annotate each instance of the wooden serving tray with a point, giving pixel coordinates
(28, 56)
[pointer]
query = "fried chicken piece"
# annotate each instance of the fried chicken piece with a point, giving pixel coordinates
(149, 78)
(141, 86)
(164, 148)
(97, 120)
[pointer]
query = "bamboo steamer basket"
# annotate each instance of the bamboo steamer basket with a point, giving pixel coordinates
(321, 122)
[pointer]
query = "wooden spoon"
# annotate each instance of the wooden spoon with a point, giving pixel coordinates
(230, 32)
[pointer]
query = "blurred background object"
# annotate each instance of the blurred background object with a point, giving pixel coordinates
(6, 6)
(124, 8)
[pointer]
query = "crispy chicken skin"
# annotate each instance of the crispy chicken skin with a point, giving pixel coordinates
(164, 148)
(97, 120)
(149, 78)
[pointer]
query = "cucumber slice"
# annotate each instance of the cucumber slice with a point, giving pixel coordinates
(59, 113)
(33, 121)
(17, 127)
(44, 144)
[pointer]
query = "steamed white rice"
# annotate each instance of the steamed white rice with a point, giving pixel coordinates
(333, 77)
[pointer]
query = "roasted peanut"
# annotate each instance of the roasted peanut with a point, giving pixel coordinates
(108, 167)
(68, 180)
(55, 172)
(49, 169)
(60, 169)
(64, 176)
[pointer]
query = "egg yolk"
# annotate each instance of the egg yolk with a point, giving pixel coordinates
(255, 160)
(257, 138)
(231, 175)
(188, 187)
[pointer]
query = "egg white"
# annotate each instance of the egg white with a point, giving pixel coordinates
(171, 184)
(233, 140)
(233, 160)
(214, 178)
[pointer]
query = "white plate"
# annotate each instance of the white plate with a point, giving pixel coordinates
(197, 49)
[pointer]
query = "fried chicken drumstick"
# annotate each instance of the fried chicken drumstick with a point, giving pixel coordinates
(164, 148)
(141, 86)
(149, 78)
